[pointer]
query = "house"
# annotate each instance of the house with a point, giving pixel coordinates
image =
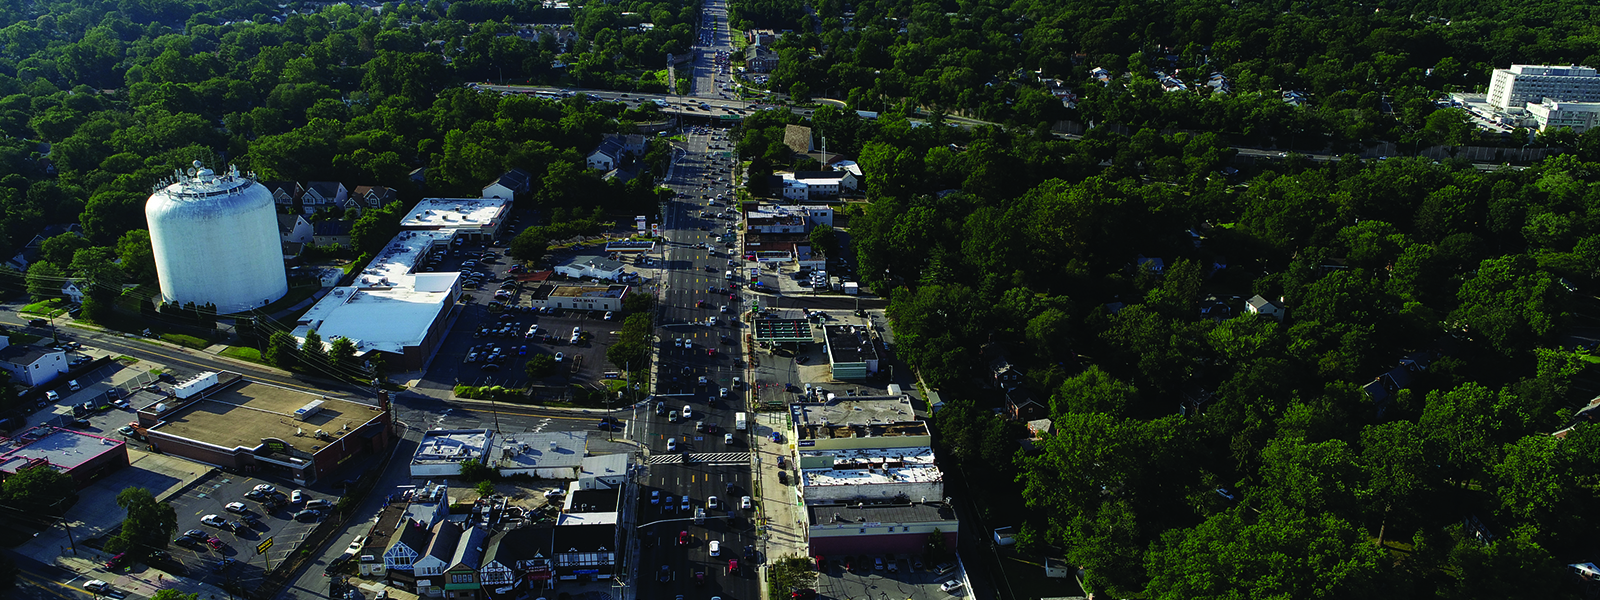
(438, 556)
(370, 196)
(810, 185)
(294, 229)
(31, 251)
(284, 193)
(292, 250)
(798, 138)
(515, 556)
(1022, 406)
(1154, 264)
(323, 194)
(607, 156)
(331, 231)
(632, 143)
(71, 291)
(760, 59)
(1004, 373)
(404, 549)
(1263, 306)
(1039, 427)
(31, 365)
(461, 579)
(510, 185)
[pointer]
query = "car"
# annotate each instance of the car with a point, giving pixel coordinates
(688, 411)
(672, 444)
(746, 503)
(195, 534)
(256, 495)
(222, 565)
(212, 520)
(97, 586)
(655, 496)
(127, 430)
(712, 503)
(877, 564)
(893, 565)
(265, 489)
(1226, 495)
(950, 586)
(186, 541)
(714, 547)
(723, 393)
(560, 356)
(215, 543)
(235, 507)
(52, 396)
(683, 538)
(37, 323)
(661, 408)
(684, 506)
(319, 503)
(117, 561)
(554, 493)
(297, 497)
(307, 515)
(608, 315)
(916, 564)
(727, 438)
(665, 575)
(776, 437)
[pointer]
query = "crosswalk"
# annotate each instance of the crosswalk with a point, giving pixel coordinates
(713, 458)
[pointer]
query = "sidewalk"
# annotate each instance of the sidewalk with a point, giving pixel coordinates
(780, 515)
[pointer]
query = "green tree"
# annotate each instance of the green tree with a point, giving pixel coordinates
(283, 351)
(824, 240)
(637, 302)
(628, 353)
(376, 227)
(172, 594)
(137, 256)
(147, 527)
(1094, 391)
(313, 352)
(540, 366)
(473, 469)
(44, 281)
(1509, 304)
(60, 249)
(41, 490)
(485, 488)
(342, 355)
(530, 245)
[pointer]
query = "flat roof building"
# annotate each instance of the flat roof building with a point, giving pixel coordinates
(1552, 115)
(393, 306)
(83, 456)
(474, 218)
(852, 351)
(1512, 88)
(250, 427)
(579, 297)
(900, 527)
(586, 265)
(784, 330)
(441, 451)
(845, 422)
(545, 455)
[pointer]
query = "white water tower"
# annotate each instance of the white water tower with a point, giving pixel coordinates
(216, 240)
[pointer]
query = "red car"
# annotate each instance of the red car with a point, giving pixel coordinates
(733, 566)
(683, 538)
(711, 351)
(215, 543)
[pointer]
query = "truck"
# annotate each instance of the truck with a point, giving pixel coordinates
(739, 421)
(699, 516)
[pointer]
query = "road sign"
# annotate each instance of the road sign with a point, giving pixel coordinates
(262, 547)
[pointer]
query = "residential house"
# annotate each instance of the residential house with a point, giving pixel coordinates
(1263, 306)
(438, 557)
(1039, 428)
(294, 229)
(1383, 388)
(1154, 264)
(510, 185)
(405, 548)
(461, 579)
(607, 156)
(370, 196)
(323, 194)
(513, 557)
(284, 193)
(72, 292)
(812, 185)
(760, 59)
(632, 143)
(331, 231)
(31, 365)
(31, 251)
(1021, 405)
(1004, 373)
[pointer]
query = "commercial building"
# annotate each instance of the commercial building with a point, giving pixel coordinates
(880, 528)
(810, 185)
(1514, 87)
(784, 330)
(777, 218)
(441, 451)
(588, 265)
(226, 420)
(31, 365)
(578, 297)
(392, 307)
(1551, 115)
(470, 218)
(84, 457)
(852, 351)
(546, 455)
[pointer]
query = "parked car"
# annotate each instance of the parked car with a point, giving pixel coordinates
(307, 515)
(236, 507)
(950, 586)
(213, 520)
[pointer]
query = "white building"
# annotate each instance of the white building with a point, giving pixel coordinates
(294, 229)
(579, 297)
(1511, 88)
(474, 218)
(547, 455)
(808, 185)
(392, 307)
(1263, 306)
(31, 365)
(441, 451)
(1551, 115)
(71, 290)
(582, 266)
(771, 218)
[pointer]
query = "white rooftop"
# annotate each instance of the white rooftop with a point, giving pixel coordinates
(456, 213)
(897, 465)
(545, 450)
(594, 518)
(389, 306)
(453, 445)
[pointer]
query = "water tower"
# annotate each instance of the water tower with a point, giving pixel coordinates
(216, 240)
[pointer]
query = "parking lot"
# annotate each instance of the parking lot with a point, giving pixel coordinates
(869, 580)
(216, 494)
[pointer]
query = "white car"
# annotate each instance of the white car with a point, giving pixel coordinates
(266, 489)
(96, 586)
(727, 438)
(688, 411)
(577, 330)
(723, 393)
(355, 546)
(685, 504)
(237, 507)
(213, 520)
(297, 497)
(714, 547)
(712, 503)
(560, 357)
(553, 493)
(950, 586)
(672, 444)
(745, 503)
